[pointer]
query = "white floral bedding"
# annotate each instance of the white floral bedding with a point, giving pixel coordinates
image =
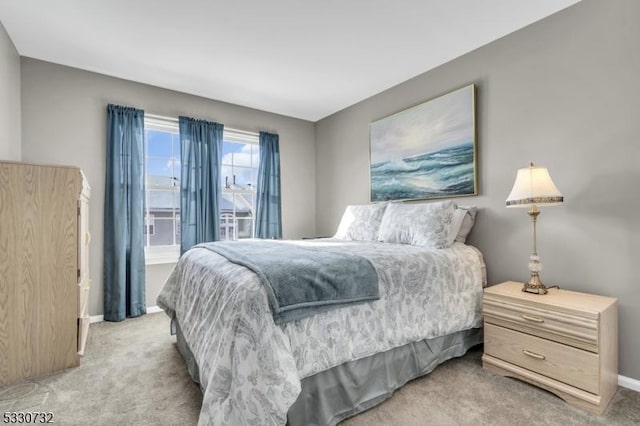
(250, 369)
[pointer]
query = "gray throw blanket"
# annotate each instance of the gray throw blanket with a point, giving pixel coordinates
(302, 281)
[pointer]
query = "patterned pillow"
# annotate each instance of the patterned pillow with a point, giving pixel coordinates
(426, 224)
(361, 222)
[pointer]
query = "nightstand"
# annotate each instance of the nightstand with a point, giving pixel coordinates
(565, 342)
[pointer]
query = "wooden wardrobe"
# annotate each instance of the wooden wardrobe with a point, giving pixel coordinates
(44, 269)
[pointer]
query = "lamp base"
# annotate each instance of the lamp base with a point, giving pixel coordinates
(534, 285)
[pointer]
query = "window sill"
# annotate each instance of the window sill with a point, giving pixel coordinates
(160, 255)
(157, 260)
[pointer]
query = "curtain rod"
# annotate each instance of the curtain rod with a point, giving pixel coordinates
(175, 120)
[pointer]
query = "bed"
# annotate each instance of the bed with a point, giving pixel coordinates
(326, 367)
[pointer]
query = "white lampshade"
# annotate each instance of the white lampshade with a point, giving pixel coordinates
(533, 186)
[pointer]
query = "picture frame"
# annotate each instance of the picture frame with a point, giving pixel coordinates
(427, 151)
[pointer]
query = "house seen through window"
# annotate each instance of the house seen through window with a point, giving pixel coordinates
(238, 178)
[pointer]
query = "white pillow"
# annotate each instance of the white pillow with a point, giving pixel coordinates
(425, 224)
(463, 220)
(361, 222)
(467, 223)
(456, 223)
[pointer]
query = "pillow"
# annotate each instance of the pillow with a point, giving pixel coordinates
(463, 220)
(361, 222)
(425, 225)
(456, 223)
(468, 220)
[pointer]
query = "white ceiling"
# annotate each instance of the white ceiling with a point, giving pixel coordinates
(301, 58)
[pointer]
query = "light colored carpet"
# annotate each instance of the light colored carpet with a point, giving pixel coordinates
(133, 374)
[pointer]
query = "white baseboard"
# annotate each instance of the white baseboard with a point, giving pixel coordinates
(629, 383)
(100, 318)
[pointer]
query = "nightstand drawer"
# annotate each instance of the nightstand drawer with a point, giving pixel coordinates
(561, 327)
(564, 363)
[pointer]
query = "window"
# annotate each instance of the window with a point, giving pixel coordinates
(162, 183)
(149, 226)
(238, 178)
(239, 175)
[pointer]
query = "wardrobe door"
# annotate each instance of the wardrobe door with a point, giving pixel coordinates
(38, 270)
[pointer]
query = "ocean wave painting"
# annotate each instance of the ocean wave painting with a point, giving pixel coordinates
(427, 151)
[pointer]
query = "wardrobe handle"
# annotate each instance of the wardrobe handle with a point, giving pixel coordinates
(533, 354)
(530, 318)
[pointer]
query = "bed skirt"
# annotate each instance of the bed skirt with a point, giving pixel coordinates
(345, 390)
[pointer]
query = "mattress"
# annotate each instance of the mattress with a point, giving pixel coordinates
(251, 370)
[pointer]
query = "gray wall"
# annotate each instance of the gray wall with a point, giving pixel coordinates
(564, 93)
(64, 122)
(10, 127)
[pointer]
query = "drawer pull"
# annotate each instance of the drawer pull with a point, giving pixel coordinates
(533, 354)
(530, 318)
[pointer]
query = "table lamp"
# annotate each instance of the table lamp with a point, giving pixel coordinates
(533, 187)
